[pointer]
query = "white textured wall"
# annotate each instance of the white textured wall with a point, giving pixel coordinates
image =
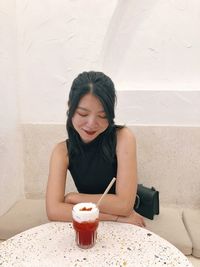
(143, 45)
(147, 47)
(11, 163)
(175, 108)
(57, 40)
(154, 45)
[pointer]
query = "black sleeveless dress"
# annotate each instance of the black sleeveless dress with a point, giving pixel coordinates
(90, 171)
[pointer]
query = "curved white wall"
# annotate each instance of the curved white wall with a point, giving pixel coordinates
(154, 45)
(174, 108)
(57, 40)
(11, 161)
(143, 45)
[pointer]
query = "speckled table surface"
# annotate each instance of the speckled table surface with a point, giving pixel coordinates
(53, 244)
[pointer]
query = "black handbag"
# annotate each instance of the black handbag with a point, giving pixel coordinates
(147, 201)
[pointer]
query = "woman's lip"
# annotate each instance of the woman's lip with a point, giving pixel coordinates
(90, 132)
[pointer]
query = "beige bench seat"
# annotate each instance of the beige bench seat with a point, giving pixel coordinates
(191, 218)
(169, 225)
(25, 214)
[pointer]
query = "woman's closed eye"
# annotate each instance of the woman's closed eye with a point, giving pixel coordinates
(82, 114)
(102, 116)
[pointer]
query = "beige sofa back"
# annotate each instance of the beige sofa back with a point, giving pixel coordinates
(168, 158)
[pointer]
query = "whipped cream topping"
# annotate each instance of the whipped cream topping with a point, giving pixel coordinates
(82, 212)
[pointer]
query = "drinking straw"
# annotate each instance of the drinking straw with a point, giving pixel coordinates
(106, 191)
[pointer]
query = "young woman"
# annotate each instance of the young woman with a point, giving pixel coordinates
(96, 151)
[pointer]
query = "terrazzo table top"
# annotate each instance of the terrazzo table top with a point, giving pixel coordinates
(118, 244)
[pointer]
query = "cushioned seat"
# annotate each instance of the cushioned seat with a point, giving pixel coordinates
(191, 219)
(169, 225)
(23, 215)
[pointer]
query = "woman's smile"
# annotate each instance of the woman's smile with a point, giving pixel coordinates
(89, 132)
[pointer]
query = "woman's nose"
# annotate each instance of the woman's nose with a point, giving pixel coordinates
(92, 121)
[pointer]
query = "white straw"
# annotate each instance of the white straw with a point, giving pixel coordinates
(106, 191)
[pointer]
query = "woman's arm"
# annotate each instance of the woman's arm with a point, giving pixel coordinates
(121, 203)
(55, 206)
(133, 218)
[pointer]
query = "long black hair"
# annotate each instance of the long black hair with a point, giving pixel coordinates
(101, 86)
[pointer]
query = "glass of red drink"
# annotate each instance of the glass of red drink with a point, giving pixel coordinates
(85, 222)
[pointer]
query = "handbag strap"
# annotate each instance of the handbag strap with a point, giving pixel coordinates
(137, 202)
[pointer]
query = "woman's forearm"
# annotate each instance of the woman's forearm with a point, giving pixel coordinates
(107, 217)
(110, 204)
(60, 212)
(63, 212)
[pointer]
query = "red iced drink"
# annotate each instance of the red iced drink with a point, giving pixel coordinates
(85, 223)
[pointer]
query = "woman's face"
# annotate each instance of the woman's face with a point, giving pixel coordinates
(89, 119)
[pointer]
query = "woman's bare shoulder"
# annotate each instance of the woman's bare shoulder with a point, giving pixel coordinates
(61, 147)
(60, 151)
(125, 135)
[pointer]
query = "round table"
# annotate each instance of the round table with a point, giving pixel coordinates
(118, 244)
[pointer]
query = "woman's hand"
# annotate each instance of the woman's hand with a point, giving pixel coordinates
(133, 218)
